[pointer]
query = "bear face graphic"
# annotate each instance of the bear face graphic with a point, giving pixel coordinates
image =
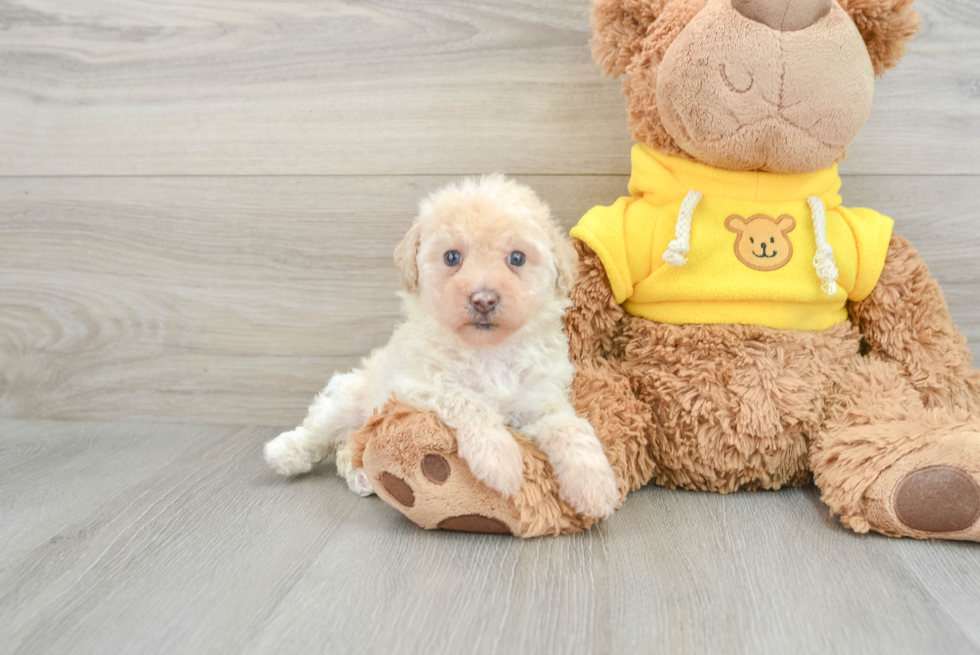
(762, 243)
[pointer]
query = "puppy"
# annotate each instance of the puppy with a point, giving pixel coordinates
(486, 274)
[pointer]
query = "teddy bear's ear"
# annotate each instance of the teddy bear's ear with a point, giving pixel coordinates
(623, 28)
(407, 258)
(618, 29)
(735, 223)
(886, 26)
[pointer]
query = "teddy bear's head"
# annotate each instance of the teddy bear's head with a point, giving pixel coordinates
(771, 85)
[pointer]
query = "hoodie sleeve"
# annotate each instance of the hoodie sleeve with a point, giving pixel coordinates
(603, 229)
(872, 234)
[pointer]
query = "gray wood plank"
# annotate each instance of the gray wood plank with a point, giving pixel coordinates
(232, 300)
(208, 552)
(105, 87)
(186, 559)
(53, 473)
(771, 572)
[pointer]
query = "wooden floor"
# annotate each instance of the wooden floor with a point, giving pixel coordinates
(138, 538)
(198, 203)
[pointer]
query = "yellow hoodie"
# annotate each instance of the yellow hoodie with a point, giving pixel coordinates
(695, 244)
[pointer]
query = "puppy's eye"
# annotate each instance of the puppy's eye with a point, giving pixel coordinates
(516, 258)
(751, 240)
(452, 258)
(772, 239)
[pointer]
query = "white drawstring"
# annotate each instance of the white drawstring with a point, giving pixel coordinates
(676, 254)
(824, 260)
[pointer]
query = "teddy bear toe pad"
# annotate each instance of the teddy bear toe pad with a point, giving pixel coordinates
(436, 469)
(397, 489)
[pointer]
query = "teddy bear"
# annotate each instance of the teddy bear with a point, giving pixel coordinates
(734, 325)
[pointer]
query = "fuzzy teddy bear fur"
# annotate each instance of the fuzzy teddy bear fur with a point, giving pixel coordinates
(880, 410)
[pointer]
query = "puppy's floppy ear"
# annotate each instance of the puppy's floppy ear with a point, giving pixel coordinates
(566, 259)
(407, 258)
(886, 27)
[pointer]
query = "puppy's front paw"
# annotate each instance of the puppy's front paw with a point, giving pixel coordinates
(494, 458)
(287, 453)
(358, 482)
(357, 479)
(585, 479)
(589, 485)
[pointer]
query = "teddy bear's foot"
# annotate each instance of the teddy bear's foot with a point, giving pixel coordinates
(411, 461)
(932, 493)
(440, 492)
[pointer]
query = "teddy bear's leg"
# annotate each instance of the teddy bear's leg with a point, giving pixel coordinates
(887, 462)
(901, 454)
(411, 459)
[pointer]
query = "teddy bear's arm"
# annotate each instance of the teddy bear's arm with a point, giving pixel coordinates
(906, 320)
(592, 320)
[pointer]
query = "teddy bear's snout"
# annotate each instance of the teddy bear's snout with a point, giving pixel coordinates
(783, 15)
(794, 114)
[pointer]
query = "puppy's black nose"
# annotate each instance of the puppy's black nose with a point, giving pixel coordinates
(484, 300)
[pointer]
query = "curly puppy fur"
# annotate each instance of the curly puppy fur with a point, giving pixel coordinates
(481, 347)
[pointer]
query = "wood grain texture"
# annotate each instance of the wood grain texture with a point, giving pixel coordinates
(176, 539)
(219, 87)
(232, 300)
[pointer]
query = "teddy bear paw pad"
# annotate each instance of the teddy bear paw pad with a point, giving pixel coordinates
(474, 523)
(937, 499)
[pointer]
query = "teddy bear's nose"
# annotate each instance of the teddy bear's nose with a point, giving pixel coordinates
(783, 15)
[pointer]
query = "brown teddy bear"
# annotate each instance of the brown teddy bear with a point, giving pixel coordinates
(734, 326)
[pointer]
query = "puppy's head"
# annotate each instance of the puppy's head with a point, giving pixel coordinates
(484, 257)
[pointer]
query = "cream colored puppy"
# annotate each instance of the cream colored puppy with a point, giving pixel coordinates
(486, 273)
